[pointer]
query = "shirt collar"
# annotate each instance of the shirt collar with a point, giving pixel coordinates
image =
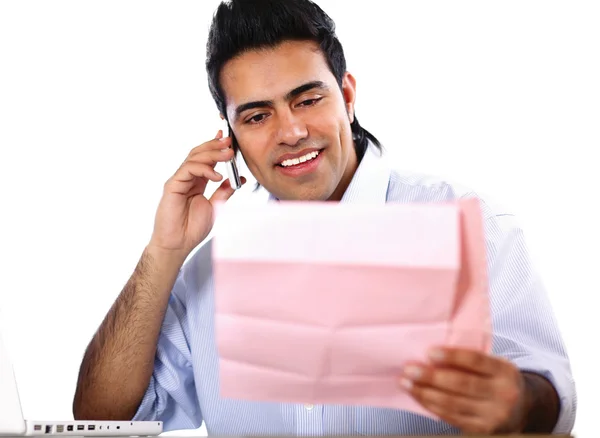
(370, 181)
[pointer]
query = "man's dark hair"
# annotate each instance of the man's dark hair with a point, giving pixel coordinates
(239, 26)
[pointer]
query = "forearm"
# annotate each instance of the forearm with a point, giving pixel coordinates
(118, 363)
(542, 405)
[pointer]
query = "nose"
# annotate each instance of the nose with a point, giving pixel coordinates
(291, 129)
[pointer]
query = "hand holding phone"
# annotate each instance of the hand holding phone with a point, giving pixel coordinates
(185, 216)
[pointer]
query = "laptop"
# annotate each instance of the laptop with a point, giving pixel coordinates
(12, 422)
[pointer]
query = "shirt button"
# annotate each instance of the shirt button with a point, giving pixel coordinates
(309, 406)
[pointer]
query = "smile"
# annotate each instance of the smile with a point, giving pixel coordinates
(303, 159)
(300, 166)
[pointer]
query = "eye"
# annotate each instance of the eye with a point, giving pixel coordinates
(258, 118)
(310, 102)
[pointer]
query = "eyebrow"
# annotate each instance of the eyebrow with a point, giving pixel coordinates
(289, 96)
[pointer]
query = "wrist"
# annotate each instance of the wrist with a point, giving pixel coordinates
(165, 258)
(517, 421)
(540, 404)
(526, 403)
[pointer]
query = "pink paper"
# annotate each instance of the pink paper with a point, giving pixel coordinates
(324, 303)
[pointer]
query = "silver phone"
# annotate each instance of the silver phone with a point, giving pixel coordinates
(232, 169)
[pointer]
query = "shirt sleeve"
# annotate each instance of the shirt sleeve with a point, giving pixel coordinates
(171, 394)
(525, 328)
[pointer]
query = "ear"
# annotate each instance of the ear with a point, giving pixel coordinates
(349, 92)
(221, 115)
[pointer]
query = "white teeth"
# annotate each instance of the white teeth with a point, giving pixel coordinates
(294, 161)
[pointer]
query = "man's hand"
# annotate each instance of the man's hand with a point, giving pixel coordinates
(184, 216)
(472, 391)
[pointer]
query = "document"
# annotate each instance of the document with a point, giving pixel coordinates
(324, 303)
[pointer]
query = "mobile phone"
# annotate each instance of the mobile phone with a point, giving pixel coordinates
(232, 169)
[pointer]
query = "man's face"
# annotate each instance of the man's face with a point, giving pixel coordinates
(292, 121)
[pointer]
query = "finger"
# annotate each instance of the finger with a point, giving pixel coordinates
(183, 180)
(212, 156)
(445, 403)
(225, 191)
(467, 359)
(452, 380)
(216, 143)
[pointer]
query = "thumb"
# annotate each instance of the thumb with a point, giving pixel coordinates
(224, 192)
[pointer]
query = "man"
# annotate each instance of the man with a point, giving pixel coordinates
(278, 76)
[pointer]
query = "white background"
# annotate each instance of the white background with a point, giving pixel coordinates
(101, 101)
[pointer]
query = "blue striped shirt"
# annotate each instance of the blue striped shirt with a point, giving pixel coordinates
(184, 388)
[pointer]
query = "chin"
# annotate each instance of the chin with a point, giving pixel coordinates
(311, 195)
(321, 188)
